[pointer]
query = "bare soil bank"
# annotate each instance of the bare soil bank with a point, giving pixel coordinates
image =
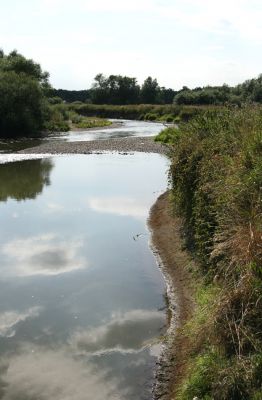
(175, 262)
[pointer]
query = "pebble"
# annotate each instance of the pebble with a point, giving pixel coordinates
(120, 145)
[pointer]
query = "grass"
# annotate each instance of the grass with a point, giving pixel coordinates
(62, 119)
(216, 176)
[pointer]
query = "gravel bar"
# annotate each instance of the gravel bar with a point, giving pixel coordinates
(121, 145)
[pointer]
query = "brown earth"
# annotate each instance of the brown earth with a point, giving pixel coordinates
(175, 262)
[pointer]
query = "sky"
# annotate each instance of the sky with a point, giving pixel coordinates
(180, 42)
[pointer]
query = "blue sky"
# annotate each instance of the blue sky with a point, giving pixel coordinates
(180, 42)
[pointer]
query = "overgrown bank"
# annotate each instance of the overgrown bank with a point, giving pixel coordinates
(216, 176)
(146, 112)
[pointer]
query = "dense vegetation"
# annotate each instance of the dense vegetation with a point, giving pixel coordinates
(216, 176)
(119, 90)
(122, 90)
(249, 91)
(71, 95)
(27, 104)
(23, 107)
(147, 112)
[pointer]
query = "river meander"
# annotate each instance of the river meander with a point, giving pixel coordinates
(82, 301)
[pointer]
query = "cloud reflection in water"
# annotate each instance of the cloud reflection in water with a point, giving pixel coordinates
(40, 374)
(43, 255)
(126, 333)
(122, 206)
(9, 320)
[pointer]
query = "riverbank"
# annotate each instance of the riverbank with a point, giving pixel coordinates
(175, 264)
(134, 144)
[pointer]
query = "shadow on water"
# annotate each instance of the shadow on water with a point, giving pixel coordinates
(24, 180)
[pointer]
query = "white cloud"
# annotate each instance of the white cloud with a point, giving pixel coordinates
(9, 320)
(43, 255)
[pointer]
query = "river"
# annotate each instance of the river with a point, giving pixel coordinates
(82, 300)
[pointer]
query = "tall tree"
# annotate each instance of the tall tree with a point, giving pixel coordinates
(150, 91)
(23, 85)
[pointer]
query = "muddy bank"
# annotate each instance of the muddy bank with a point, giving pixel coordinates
(175, 263)
(141, 144)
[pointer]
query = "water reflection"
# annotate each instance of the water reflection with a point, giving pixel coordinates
(44, 374)
(42, 255)
(24, 180)
(81, 302)
(122, 206)
(10, 319)
(128, 332)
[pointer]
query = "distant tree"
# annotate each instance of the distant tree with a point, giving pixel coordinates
(71, 95)
(150, 91)
(166, 96)
(99, 91)
(115, 89)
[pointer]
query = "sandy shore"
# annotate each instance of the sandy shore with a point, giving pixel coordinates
(140, 144)
(174, 262)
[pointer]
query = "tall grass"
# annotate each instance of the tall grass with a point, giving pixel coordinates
(150, 112)
(216, 176)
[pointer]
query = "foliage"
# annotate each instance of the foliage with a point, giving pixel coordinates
(57, 119)
(23, 86)
(71, 95)
(216, 176)
(115, 89)
(139, 111)
(150, 91)
(118, 89)
(249, 91)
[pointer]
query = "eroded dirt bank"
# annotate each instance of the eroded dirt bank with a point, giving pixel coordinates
(175, 263)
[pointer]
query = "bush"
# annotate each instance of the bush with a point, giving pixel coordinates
(216, 176)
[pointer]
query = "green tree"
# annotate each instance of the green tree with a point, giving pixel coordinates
(150, 91)
(23, 106)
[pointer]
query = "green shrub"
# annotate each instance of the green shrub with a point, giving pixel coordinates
(216, 176)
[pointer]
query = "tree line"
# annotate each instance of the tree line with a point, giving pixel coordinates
(119, 90)
(123, 90)
(29, 105)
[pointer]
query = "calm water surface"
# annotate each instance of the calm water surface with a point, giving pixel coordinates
(127, 128)
(81, 297)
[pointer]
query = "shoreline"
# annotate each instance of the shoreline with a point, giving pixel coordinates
(174, 263)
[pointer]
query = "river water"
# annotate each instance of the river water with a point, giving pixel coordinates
(82, 301)
(120, 129)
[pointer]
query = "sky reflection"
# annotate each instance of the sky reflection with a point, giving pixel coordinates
(79, 298)
(43, 255)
